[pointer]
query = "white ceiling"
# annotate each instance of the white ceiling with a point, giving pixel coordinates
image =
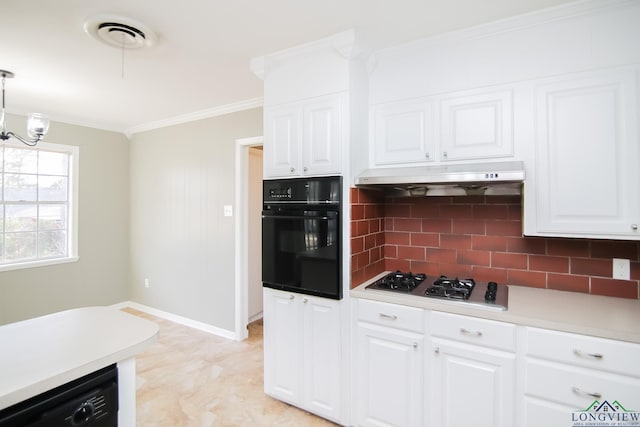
(200, 61)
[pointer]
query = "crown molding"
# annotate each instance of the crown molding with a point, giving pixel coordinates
(257, 67)
(509, 24)
(343, 43)
(196, 115)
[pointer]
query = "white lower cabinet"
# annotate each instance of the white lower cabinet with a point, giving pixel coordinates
(388, 365)
(415, 367)
(568, 373)
(472, 383)
(471, 386)
(302, 352)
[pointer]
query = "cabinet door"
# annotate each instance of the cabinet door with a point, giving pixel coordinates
(471, 386)
(282, 141)
(322, 357)
(322, 135)
(476, 125)
(282, 346)
(587, 156)
(403, 132)
(388, 384)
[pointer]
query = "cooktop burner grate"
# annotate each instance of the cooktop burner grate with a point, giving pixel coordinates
(400, 281)
(446, 287)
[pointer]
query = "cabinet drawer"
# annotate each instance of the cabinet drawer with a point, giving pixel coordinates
(393, 315)
(473, 330)
(578, 387)
(598, 353)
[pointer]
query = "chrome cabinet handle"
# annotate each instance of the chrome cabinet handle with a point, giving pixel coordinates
(388, 316)
(305, 300)
(445, 154)
(291, 297)
(292, 170)
(305, 169)
(591, 355)
(634, 227)
(426, 155)
(436, 350)
(472, 333)
(415, 345)
(577, 391)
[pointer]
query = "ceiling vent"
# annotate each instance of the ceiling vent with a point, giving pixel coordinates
(119, 32)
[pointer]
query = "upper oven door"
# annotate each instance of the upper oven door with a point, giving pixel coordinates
(301, 249)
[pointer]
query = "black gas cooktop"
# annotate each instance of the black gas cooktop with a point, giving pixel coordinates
(461, 290)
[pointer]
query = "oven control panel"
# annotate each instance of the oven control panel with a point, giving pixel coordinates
(311, 190)
(283, 193)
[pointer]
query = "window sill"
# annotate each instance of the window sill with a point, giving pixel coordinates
(38, 263)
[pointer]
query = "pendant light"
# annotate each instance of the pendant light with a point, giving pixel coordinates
(37, 124)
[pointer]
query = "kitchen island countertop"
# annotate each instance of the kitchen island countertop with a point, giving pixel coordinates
(593, 315)
(39, 354)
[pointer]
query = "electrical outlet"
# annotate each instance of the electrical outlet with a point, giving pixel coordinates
(146, 283)
(621, 269)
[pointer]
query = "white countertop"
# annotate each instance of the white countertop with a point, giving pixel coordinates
(39, 354)
(593, 315)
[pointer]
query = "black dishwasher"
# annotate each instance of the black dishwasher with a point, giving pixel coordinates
(91, 400)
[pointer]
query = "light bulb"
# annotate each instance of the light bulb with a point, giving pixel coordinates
(37, 125)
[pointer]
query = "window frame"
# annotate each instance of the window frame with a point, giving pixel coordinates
(72, 200)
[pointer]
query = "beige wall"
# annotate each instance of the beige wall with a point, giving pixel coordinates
(167, 186)
(100, 277)
(181, 178)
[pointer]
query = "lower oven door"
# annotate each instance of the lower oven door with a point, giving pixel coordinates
(301, 251)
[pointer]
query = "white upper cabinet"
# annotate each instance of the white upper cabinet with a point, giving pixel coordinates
(404, 132)
(476, 126)
(457, 126)
(322, 139)
(308, 95)
(587, 157)
(304, 138)
(282, 130)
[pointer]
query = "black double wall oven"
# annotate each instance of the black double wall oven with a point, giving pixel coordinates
(301, 235)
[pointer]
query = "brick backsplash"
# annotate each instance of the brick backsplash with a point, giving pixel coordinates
(479, 237)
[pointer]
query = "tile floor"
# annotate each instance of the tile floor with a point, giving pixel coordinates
(192, 378)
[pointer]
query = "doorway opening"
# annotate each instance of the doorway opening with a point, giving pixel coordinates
(248, 234)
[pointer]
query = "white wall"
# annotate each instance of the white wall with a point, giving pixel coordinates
(100, 277)
(181, 178)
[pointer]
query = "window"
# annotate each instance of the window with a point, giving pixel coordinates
(38, 205)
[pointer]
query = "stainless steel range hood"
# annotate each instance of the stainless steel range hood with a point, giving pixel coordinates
(447, 180)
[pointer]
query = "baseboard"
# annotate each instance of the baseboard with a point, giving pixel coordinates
(255, 317)
(195, 324)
